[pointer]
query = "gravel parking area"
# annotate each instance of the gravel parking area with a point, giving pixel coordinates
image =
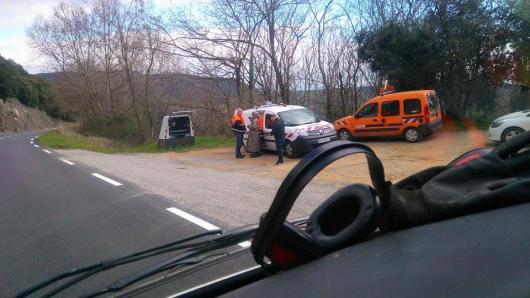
(230, 192)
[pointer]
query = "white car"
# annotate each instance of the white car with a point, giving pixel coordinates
(303, 129)
(509, 126)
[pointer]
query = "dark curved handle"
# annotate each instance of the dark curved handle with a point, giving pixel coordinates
(300, 176)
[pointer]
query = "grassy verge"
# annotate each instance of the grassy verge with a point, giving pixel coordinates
(63, 139)
(483, 123)
(459, 124)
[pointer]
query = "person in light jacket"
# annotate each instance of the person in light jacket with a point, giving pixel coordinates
(253, 142)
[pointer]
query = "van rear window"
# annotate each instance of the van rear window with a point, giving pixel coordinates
(433, 104)
(412, 106)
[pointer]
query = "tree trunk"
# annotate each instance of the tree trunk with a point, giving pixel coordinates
(328, 103)
(284, 94)
(342, 97)
(251, 77)
(239, 85)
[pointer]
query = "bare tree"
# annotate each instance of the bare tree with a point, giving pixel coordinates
(106, 51)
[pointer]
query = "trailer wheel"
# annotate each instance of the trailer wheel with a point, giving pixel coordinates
(288, 150)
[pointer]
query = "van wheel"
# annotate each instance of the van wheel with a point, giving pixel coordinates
(288, 149)
(412, 135)
(344, 134)
(510, 133)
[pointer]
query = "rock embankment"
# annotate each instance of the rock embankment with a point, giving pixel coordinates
(15, 116)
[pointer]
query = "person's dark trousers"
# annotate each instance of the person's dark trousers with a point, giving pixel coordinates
(279, 149)
(239, 143)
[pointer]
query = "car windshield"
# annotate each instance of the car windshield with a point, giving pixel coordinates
(129, 124)
(298, 117)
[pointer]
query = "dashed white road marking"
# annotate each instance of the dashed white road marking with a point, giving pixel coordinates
(108, 180)
(67, 161)
(201, 223)
(47, 151)
(206, 225)
(36, 146)
(245, 244)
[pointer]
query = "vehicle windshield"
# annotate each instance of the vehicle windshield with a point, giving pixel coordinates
(298, 117)
(129, 124)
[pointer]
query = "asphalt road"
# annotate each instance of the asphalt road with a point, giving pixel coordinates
(56, 215)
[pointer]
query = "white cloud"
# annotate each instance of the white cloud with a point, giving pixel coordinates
(17, 48)
(169, 3)
(15, 14)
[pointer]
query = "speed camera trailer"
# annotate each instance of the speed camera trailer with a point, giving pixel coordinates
(176, 129)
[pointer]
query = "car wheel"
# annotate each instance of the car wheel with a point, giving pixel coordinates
(288, 149)
(412, 135)
(510, 133)
(344, 134)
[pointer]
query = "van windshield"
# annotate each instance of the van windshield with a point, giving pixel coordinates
(298, 117)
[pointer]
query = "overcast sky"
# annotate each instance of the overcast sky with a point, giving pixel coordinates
(16, 15)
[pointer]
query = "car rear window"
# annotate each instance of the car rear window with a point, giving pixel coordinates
(412, 106)
(390, 108)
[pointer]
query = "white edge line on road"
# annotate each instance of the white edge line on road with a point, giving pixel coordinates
(201, 223)
(115, 183)
(67, 161)
(36, 146)
(47, 151)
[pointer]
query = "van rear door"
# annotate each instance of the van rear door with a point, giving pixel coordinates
(435, 110)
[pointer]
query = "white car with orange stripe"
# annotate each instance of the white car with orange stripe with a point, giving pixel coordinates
(411, 114)
(304, 130)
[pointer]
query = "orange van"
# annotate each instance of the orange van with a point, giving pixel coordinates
(411, 114)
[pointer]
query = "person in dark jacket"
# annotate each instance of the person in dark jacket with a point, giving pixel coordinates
(278, 130)
(238, 128)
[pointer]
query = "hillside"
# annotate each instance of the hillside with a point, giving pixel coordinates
(30, 90)
(26, 101)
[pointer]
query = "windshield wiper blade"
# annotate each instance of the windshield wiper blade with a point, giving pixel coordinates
(189, 257)
(109, 264)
